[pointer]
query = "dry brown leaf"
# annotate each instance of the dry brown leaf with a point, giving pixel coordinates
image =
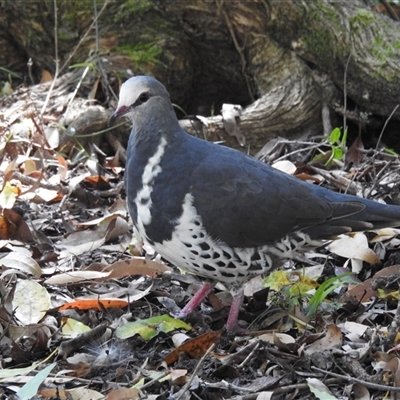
(332, 338)
(46, 76)
(363, 292)
(62, 167)
(135, 266)
(14, 227)
(194, 348)
(124, 394)
(391, 375)
(355, 152)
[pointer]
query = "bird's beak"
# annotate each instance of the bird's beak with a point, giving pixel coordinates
(118, 113)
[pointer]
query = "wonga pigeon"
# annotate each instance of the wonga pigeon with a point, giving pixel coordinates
(216, 212)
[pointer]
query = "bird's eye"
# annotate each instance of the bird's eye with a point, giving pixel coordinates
(144, 97)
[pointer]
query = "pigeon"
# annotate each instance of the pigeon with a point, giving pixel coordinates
(218, 213)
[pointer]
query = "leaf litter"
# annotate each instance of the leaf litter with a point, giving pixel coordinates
(88, 311)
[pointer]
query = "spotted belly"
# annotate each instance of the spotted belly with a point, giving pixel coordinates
(194, 250)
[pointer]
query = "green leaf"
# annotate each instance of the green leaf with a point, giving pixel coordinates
(334, 137)
(322, 158)
(298, 283)
(11, 73)
(323, 291)
(391, 151)
(338, 153)
(319, 390)
(31, 387)
(83, 65)
(149, 328)
(7, 196)
(344, 139)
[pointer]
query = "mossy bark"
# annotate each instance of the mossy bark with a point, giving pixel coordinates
(283, 60)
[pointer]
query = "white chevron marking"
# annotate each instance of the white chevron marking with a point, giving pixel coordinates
(143, 198)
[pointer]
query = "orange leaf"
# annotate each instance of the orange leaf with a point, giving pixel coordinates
(4, 228)
(62, 167)
(194, 348)
(99, 182)
(14, 227)
(91, 304)
(46, 76)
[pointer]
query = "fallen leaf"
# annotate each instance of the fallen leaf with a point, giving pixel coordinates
(363, 292)
(320, 390)
(7, 196)
(298, 282)
(11, 372)
(354, 153)
(31, 301)
(133, 266)
(16, 227)
(332, 338)
(71, 328)
(21, 262)
(123, 394)
(149, 328)
(354, 247)
(31, 387)
(46, 76)
(285, 166)
(75, 276)
(194, 348)
(99, 304)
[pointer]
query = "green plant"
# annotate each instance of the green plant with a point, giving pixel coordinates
(323, 291)
(337, 143)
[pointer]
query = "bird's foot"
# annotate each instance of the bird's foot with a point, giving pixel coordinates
(195, 301)
(232, 322)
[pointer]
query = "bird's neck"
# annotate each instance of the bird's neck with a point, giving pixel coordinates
(145, 140)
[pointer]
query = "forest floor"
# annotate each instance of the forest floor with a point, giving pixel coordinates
(87, 310)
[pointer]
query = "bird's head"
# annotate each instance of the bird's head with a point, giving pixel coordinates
(141, 96)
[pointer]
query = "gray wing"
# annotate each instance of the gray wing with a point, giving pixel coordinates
(246, 203)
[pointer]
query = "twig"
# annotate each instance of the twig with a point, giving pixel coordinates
(345, 93)
(285, 389)
(378, 177)
(393, 327)
(302, 150)
(379, 140)
(390, 10)
(96, 26)
(156, 379)
(371, 385)
(84, 36)
(250, 356)
(227, 385)
(27, 180)
(194, 374)
(56, 55)
(30, 64)
(76, 90)
(384, 126)
(239, 48)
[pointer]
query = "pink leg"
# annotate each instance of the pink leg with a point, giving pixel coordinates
(197, 299)
(232, 322)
